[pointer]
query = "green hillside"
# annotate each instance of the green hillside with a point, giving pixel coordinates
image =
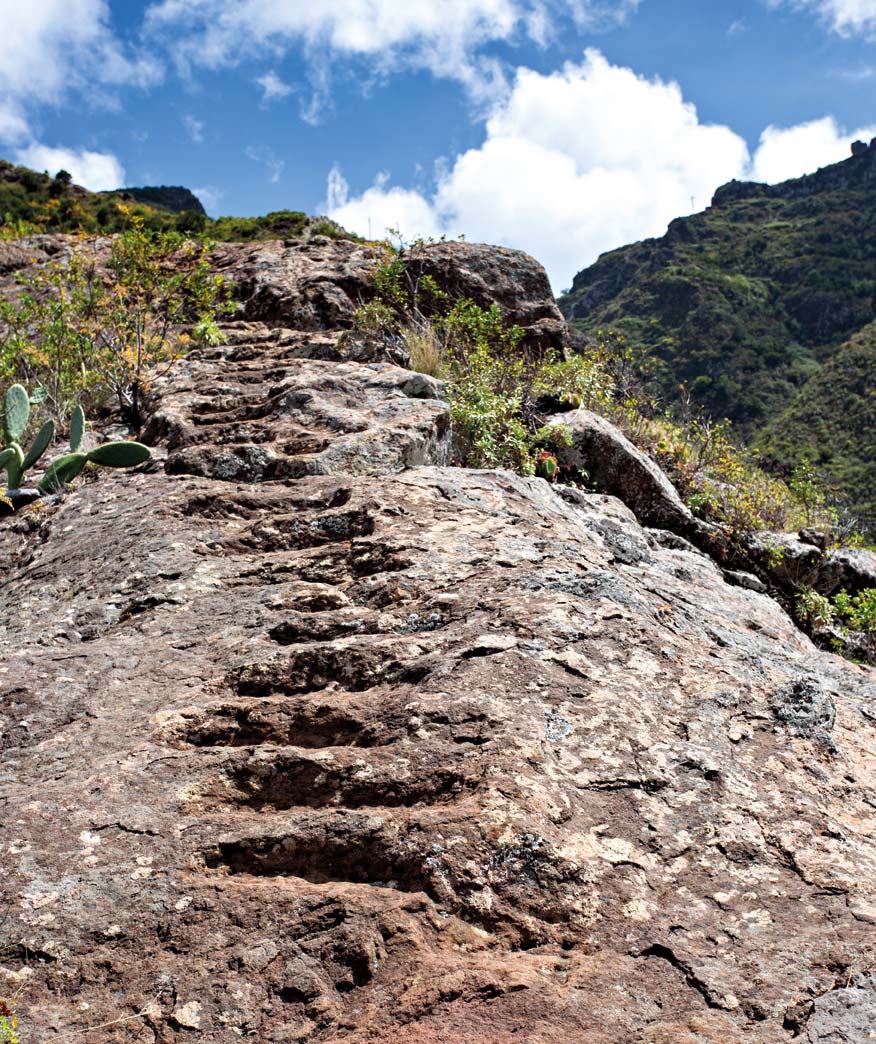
(755, 305)
(32, 202)
(832, 422)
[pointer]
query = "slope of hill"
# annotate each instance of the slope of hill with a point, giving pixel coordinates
(33, 202)
(832, 421)
(747, 301)
(308, 736)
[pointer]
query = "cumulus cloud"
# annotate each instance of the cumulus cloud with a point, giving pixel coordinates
(92, 170)
(444, 38)
(48, 50)
(573, 163)
(846, 17)
(582, 161)
(380, 208)
(272, 87)
(54, 46)
(788, 152)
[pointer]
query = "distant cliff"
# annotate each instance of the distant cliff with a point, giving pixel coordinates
(174, 198)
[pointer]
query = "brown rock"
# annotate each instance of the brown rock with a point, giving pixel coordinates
(488, 275)
(318, 284)
(429, 755)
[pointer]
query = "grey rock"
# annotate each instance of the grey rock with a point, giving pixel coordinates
(746, 580)
(804, 706)
(802, 563)
(843, 1016)
(614, 465)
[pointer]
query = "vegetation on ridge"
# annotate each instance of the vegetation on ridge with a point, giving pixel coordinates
(501, 397)
(761, 306)
(31, 203)
(86, 327)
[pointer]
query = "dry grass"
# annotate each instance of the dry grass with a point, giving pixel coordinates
(425, 348)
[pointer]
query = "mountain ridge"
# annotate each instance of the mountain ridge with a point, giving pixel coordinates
(746, 301)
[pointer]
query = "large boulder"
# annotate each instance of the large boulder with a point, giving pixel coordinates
(488, 275)
(612, 464)
(318, 283)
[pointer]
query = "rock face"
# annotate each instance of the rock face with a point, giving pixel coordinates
(794, 562)
(614, 465)
(318, 283)
(509, 278)
(341, 744)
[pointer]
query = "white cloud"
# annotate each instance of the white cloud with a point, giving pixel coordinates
(14, 128)
(573, 163)
(442, 37)
(49, 49)
(582, 161)
(210, 196)
(266, 155)
(92, 170)
(272, 87)
(380, 209)
(53, 46)
(788, 152)
(194, 129)
(846, 17)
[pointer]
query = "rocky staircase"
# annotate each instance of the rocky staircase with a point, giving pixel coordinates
(310, 737)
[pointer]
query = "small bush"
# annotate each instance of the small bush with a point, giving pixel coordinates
(814, 609)
(87, 330)
(8, 1023)
(858, 613)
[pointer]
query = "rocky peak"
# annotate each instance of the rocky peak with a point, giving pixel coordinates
(174, 198)
(859, 169)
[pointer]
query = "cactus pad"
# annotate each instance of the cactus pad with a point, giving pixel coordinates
(120, 454)
(16, 411)
(77, 429)
(62, 471)
(39, 445)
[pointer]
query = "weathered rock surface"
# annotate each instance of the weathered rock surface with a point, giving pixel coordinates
(318, 283)
(422, 755)
(498, 275)
(227, 415)
(614, 465)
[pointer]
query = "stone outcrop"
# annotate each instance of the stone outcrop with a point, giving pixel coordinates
(795, 563)
(342, 744)
(612, 464)
(497, 275)
(314, 284)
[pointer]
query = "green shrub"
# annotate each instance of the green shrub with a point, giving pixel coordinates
(814, 609)
(8, 1023)
(858, 613)
(87, 330)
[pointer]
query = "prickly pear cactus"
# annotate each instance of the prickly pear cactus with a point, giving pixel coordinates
(62, 471)
(120, 454)
(39, 445)
(77, 429)
(16, 413)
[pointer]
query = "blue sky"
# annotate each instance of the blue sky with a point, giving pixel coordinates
(564, 127)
